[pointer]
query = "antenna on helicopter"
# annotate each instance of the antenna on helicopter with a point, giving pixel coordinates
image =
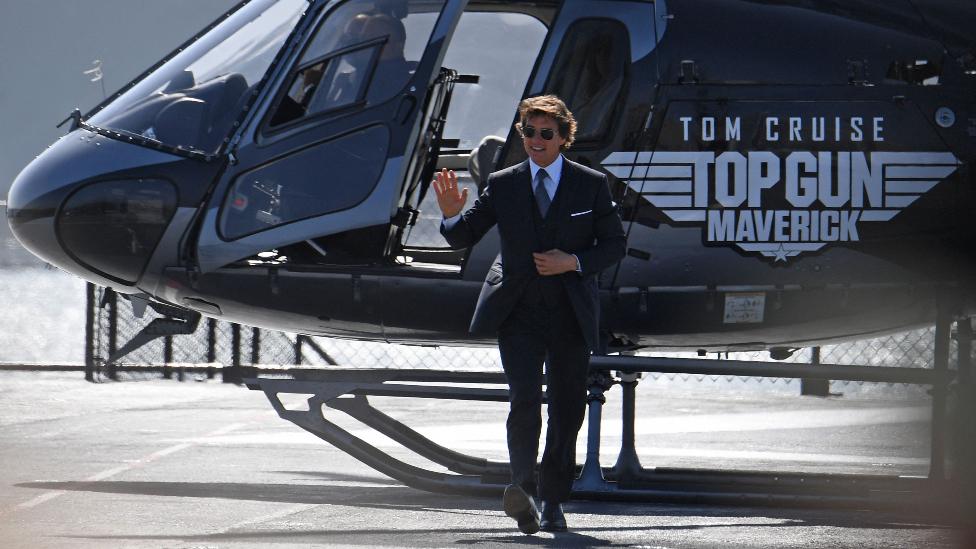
(96, 74)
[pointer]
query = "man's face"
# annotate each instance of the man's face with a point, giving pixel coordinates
(543, 152)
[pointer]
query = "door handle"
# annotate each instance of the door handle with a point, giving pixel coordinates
(405, 109)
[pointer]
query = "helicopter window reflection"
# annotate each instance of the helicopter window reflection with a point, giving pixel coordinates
(285, 190)
(326, 85)
(589, 74)
(114, 226)
(363, 53)
(478, 111)
(486, 108)
(193, 100)
(344, 83)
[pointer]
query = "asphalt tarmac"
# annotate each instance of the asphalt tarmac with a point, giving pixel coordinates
(209, 465)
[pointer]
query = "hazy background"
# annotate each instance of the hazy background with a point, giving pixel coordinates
(45, 48)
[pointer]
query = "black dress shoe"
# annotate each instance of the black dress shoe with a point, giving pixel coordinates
(521, 507)
(553, 519)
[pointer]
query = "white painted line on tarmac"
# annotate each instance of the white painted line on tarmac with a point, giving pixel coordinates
(41, 499)
(279, 438)
(776, 420)
(490, 436)
(782, 456)
(479, 432)
(716, 423)
(492, 441)
(141, 462)
(291, 510)
(226, 429)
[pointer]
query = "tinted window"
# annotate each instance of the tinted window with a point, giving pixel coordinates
(193, 100)
(114, 226)
(324, 178)
(364, 52)
(589, 74)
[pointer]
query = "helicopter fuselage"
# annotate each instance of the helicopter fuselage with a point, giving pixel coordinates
(788, 173)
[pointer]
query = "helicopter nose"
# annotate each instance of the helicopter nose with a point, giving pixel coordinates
(74, 212)
(31, 207)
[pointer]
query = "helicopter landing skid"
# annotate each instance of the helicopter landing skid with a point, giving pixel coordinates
(347, 390)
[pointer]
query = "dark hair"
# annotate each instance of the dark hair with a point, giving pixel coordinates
(552, 107)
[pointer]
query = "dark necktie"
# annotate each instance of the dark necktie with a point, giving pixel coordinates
(541, 196)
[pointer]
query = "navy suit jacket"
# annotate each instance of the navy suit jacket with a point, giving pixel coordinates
(586, 224)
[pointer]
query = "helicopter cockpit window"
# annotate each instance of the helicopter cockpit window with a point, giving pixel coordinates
(364, 52)
(192, 100)
(589, 74)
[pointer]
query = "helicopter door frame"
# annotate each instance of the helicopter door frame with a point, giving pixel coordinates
(629, 203)
(348, 145)
(646, 24)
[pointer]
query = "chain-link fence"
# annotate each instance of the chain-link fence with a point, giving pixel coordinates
(919, 356)
(215, 345)
(906, 349)
(218, 344)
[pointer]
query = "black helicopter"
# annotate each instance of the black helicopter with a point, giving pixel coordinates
(789, 172)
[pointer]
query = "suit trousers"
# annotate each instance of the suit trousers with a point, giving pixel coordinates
(544, 332)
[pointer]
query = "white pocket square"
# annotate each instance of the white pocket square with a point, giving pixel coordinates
(580, 213)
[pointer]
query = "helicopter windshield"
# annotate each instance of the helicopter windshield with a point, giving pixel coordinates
(192, 101)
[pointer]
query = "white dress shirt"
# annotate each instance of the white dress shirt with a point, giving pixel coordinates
(555, 172)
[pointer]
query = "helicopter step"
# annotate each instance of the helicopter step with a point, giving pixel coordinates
(173, 321)
(348, 391)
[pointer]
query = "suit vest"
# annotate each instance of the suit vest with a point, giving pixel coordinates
(546, 290)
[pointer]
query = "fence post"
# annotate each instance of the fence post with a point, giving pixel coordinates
(965, 429)
(90, 319)
(211, 346)
(943, 326)
(167, 357)
(964, 338)
(255, 346)
(113, 330)
(233, 374)
(299, 339)
(813, 386)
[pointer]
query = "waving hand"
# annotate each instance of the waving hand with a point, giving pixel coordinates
(449, 198)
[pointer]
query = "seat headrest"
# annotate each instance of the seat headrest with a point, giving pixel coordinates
(484, 158)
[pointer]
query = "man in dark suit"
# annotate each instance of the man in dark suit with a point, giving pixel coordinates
(559, 229)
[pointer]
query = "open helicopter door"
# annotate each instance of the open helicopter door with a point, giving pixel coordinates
(601, 59)
(330, 146)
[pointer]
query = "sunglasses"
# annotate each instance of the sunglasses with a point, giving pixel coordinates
(545, 133)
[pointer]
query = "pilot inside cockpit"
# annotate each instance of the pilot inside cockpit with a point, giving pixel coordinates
(350, 75)
(369, 65)
(393, 70)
